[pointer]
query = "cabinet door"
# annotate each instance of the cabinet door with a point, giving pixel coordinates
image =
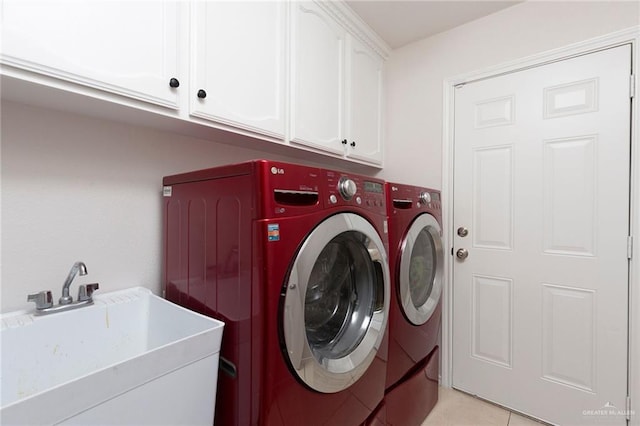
(125, 47)
(364, 105)
(317, 108)
(239, 63)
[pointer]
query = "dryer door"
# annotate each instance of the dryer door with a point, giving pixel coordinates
(336, 303)
(421, 266)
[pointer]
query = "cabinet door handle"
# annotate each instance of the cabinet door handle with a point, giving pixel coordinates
(174, 82)
(202, 94)
(353, 144)
(344, 141)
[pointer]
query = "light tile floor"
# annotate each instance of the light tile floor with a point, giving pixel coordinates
(456, 408)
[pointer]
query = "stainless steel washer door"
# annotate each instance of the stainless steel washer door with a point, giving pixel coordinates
(421, 266)
(336, 303)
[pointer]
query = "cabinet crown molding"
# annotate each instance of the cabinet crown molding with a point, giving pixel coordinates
(341, 11)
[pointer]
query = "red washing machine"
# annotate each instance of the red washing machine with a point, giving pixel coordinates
(294, 260)
(416, 261)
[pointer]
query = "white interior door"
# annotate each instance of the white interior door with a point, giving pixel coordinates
(542, 184)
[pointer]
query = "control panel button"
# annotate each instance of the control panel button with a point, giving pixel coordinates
(358, 200)
(333, 199)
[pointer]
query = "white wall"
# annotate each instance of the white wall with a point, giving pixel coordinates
(416, 72)
(81, 188)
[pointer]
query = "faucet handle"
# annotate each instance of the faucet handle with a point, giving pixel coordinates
(43, 299)
(85, 292)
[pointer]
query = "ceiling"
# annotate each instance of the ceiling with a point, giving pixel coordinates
(400, 22)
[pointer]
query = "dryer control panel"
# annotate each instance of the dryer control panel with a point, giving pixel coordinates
(405, 197)
(344, 189)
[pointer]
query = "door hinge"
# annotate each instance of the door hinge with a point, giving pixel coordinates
(629, 247)
(628, 408)
(632, 86)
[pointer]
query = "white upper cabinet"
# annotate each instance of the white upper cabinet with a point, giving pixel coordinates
(124, 47)
(317, 78)
(364, 102)
(238, 64)
(304, 73)
(336, 84)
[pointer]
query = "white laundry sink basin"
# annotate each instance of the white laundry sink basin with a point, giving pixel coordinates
(131, 358)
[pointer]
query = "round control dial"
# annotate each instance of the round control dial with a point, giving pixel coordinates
(425, 197)
(347, 188)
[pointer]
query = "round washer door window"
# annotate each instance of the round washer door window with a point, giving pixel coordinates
(421, 265)
(336, 303)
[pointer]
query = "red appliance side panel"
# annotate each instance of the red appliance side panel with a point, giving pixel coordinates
(208, 268)
(220, 172)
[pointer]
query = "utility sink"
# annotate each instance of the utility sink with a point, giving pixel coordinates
(130, 358)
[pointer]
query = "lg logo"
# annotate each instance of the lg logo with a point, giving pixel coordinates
(277, 171)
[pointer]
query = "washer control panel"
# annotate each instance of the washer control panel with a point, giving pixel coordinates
(353, 190)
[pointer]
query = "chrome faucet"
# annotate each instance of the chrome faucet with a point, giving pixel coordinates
(44, 299)
(78, 267)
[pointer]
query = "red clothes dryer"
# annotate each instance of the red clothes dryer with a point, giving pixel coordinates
(294, 260)
(416, 261)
